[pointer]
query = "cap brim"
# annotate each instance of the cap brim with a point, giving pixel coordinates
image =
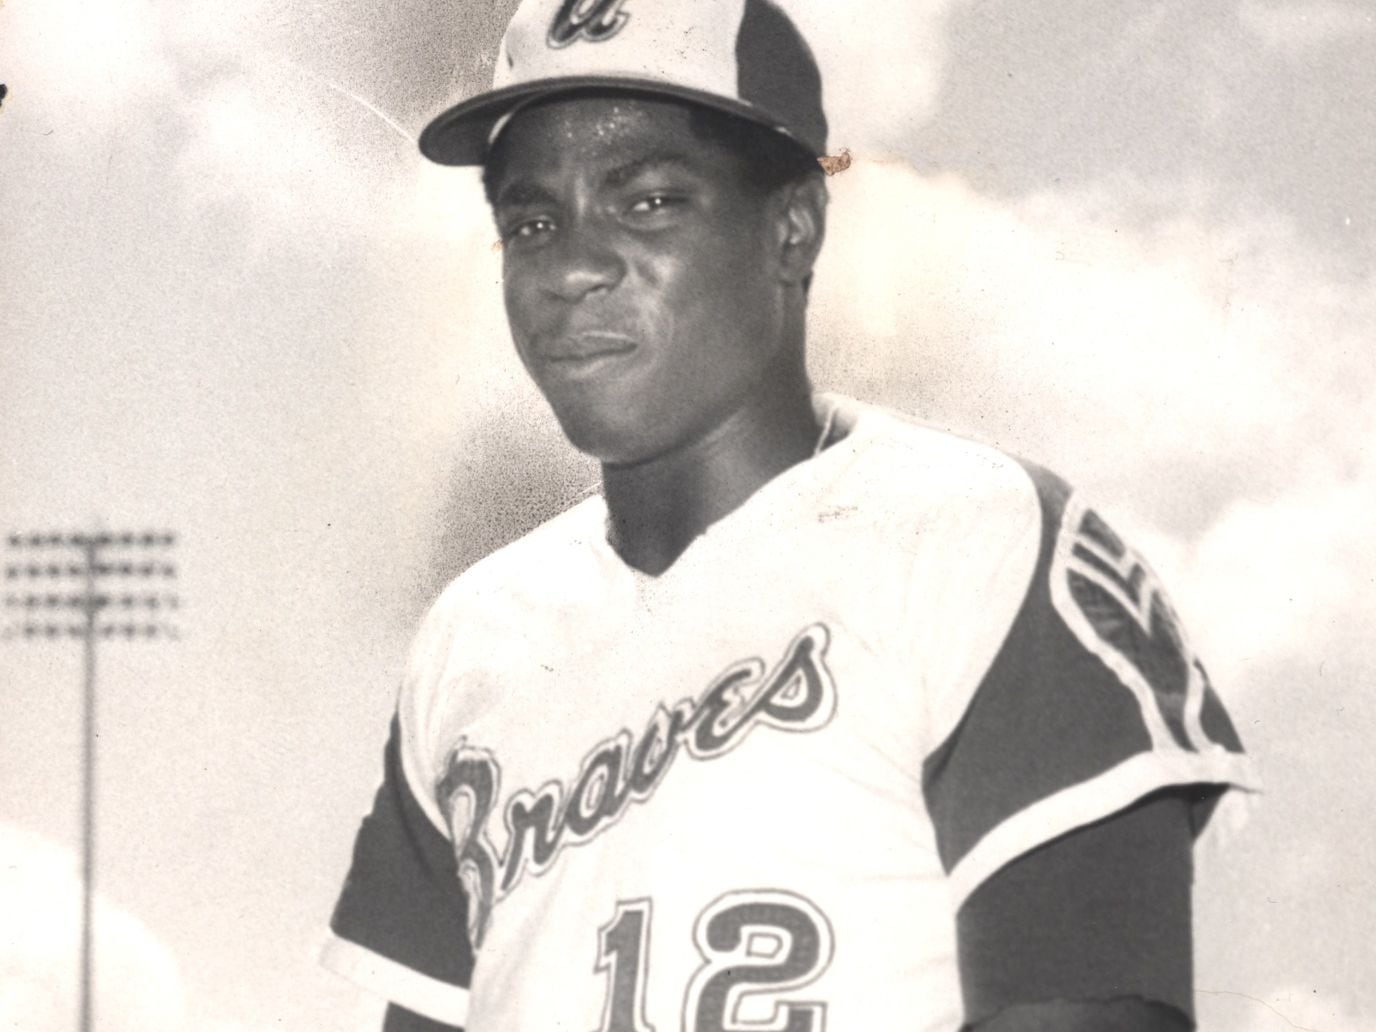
(460, 135)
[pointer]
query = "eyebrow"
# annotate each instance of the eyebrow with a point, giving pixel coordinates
(523, 193)
(526, 192)
(620, 175)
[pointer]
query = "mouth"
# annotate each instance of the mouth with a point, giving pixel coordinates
(586, 350)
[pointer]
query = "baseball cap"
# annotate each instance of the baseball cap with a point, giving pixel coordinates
(744, 57)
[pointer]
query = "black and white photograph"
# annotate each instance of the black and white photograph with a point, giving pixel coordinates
(711, 516)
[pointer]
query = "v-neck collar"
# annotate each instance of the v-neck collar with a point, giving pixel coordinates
(774, 494)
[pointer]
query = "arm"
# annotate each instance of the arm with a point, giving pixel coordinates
(1090, 932)
(398, 1019)
(1088, 1016)
(1067, 795)
(399, 928)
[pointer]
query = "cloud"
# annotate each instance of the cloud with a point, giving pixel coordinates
(201, 108)
(860, 67)
(1206, 381)
(138, 987)
(297, 173)
(1289, 576)
(138, 983)
(1299, 26)
(99, 57)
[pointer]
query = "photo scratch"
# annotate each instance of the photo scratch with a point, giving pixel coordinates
(371, 107)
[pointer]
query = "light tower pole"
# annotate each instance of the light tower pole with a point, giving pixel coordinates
(91, 586)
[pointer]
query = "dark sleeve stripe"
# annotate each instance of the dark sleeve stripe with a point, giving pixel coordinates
(1042, 710)
(1093, 699)
(402, 901)
(1215, 722)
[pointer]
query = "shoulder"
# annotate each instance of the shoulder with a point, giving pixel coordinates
(961, 521)
(1067, 686)
(988, 506)
(484, 621)
(523, 578)
(1058, 681)
(920, 467)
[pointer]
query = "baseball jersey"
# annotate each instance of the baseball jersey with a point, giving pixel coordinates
(751, 793)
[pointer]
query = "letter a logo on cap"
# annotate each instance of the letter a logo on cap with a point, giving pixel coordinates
(742, 57)
(593, 20)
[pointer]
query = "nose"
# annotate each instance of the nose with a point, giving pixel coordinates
(584, 262)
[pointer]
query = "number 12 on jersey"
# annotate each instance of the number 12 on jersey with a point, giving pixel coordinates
(754, 943)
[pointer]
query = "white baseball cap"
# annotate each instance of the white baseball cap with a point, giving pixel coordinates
(744, 57)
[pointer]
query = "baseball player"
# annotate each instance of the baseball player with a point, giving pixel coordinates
(813, 718)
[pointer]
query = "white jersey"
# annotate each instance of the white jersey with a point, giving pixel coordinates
(750, 793)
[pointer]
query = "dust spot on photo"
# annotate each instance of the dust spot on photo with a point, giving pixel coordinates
(833, 164)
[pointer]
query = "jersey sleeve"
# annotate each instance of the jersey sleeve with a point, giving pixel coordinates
(1093, 700)
(1103, 913)
(400, 926)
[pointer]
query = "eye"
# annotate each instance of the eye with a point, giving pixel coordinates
(530, 228)
(656, 203)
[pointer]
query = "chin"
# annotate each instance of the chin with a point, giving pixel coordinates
(613, 439)
(609, 441)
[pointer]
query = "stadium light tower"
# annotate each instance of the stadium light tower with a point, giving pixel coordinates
(97, 587)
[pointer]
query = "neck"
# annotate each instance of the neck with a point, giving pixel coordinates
(657, 508)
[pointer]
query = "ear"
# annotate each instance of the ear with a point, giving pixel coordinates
(802, 225)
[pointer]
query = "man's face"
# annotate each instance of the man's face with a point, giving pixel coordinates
(636, 272)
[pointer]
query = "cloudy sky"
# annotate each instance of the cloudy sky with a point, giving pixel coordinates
(1134, 242)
